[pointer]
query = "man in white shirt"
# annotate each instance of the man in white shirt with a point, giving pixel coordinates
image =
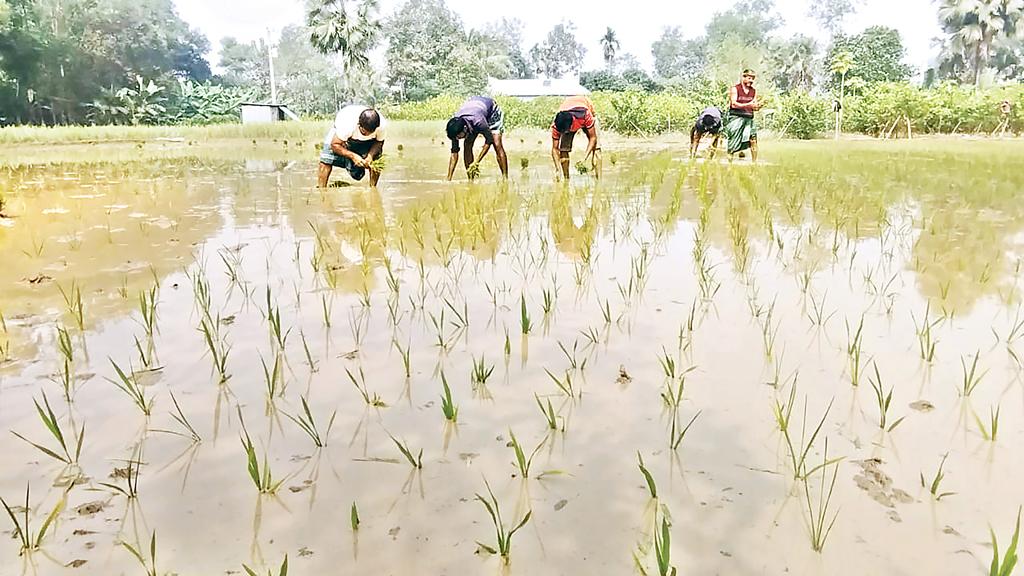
(355, 140)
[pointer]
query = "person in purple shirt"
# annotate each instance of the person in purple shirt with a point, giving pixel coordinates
(482, 116)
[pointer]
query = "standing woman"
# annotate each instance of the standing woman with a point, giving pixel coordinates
(741, 129)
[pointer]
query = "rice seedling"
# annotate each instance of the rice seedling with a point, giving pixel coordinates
(504, 535)
(360, 385)
(131, 476)
(854, 349)
(1016, 330)
(282, 571)
(668, 364)
(971, 378)
(550, 417)
(273, 317)
(817, 315)
(182, 420)
(52, 424)
(326, 306)
(663, 549)
(73, 303)
(149, 565)
(261, 475)
(308, 425)
(354, 517)
(461, 320)
(564, 384)
(798, 452)
(524, 317)
(524, 162)
(508, 344)
(313, 367)
(404, 353)
(651, 486)
(1009, 562)
(934, 486)
(473, 171)
(818, 514)
(216, 346)
(547, 301)
(676, 436)
(674, 389)
(22, 529)
(448, 407)
(606, 312)
(990, 432)
(417, 461)
(273, 377)
(925, 340)
(147, 308)
(129, 384)
(574, 361)
(481, 372)
(523, 463)
(883, 400)
(379, 163)
(591, 335)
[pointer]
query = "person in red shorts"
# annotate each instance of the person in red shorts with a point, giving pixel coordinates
(575, 114)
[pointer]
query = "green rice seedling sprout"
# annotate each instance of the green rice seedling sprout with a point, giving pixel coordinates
(23, 531)
(651, 486)
(663, 549)
(282, 571)
(308, 425)
(131, 475)
(504, 535)
(360, 385)
(73, 302)
(52, 424)
(232, 265)
(182, 420)
(550, 417)
(854, 349)
(313, 367)
(354, 517)
(817, 315)
(925, 341)
(574, 362)
(798, 452)
(406, 361)
(261, 476)
(591, 335)
(1009, 561)
(481, 372)
(277, 334)
(676, 436)
(403, 447)
(883, 400)
(934, 486)
(326, 305)
(548, 301)
(508, 344)
(378, 164)
(564, 384)
(524, 162)
(582, 168)
(147, 358)
(818, 514)
(64, 345)
(524, 317)
(216, 346)
(606, 312)
(448, 407)
(273, 377)
(971, 378)
(673, 395)
(147, 308)
(461, 318)
(523, 463)
(668, 364)
(473, 171)
(129, 384)
(991, 432)
(149, 565)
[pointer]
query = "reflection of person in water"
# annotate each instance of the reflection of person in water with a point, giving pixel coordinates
(571, 239)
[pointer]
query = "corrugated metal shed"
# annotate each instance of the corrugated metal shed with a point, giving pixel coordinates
(253, 113)
(537, 87)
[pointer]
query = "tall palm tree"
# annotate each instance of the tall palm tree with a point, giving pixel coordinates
(348, 28)
(609, 46)
(977, 27)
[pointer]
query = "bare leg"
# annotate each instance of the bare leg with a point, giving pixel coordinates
(499, 150)
(714, 146)
(323, 175)
(753, 149)
(694, 143)
(375, 153)
(597, 164)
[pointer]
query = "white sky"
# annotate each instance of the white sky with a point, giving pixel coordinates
(637, 25)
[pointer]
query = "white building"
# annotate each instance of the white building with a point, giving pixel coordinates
(261, 113)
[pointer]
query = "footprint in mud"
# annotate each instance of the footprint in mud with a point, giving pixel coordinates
(922, 406)
(878, 485)
(75, 564)
(91, 508)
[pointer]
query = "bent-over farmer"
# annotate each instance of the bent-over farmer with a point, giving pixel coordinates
(576, 113)
(354, 141)
(481, 116)
(709, 122)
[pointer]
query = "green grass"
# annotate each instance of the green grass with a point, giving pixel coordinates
(1005, 566)
(310, 130)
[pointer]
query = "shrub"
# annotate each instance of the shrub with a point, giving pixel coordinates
(802, 116)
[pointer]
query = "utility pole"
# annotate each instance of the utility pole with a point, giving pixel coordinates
(273, 80)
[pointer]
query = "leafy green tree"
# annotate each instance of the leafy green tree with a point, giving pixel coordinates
(245, 64)
(559, 52)
(877, 55)
(348, 28)
(976, 30)
(749, 22)
(609, 47)
(794, 63)
(508, 35)
(831, 13)
(676, 57)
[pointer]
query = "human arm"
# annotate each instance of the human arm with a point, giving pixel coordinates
(734, 103)
(452, 163)
(339, 147)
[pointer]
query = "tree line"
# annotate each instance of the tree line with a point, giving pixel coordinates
(137, 61)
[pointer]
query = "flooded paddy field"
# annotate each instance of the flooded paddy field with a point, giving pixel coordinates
(812, 366)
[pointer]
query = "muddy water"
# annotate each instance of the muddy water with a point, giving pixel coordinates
(752, 280)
